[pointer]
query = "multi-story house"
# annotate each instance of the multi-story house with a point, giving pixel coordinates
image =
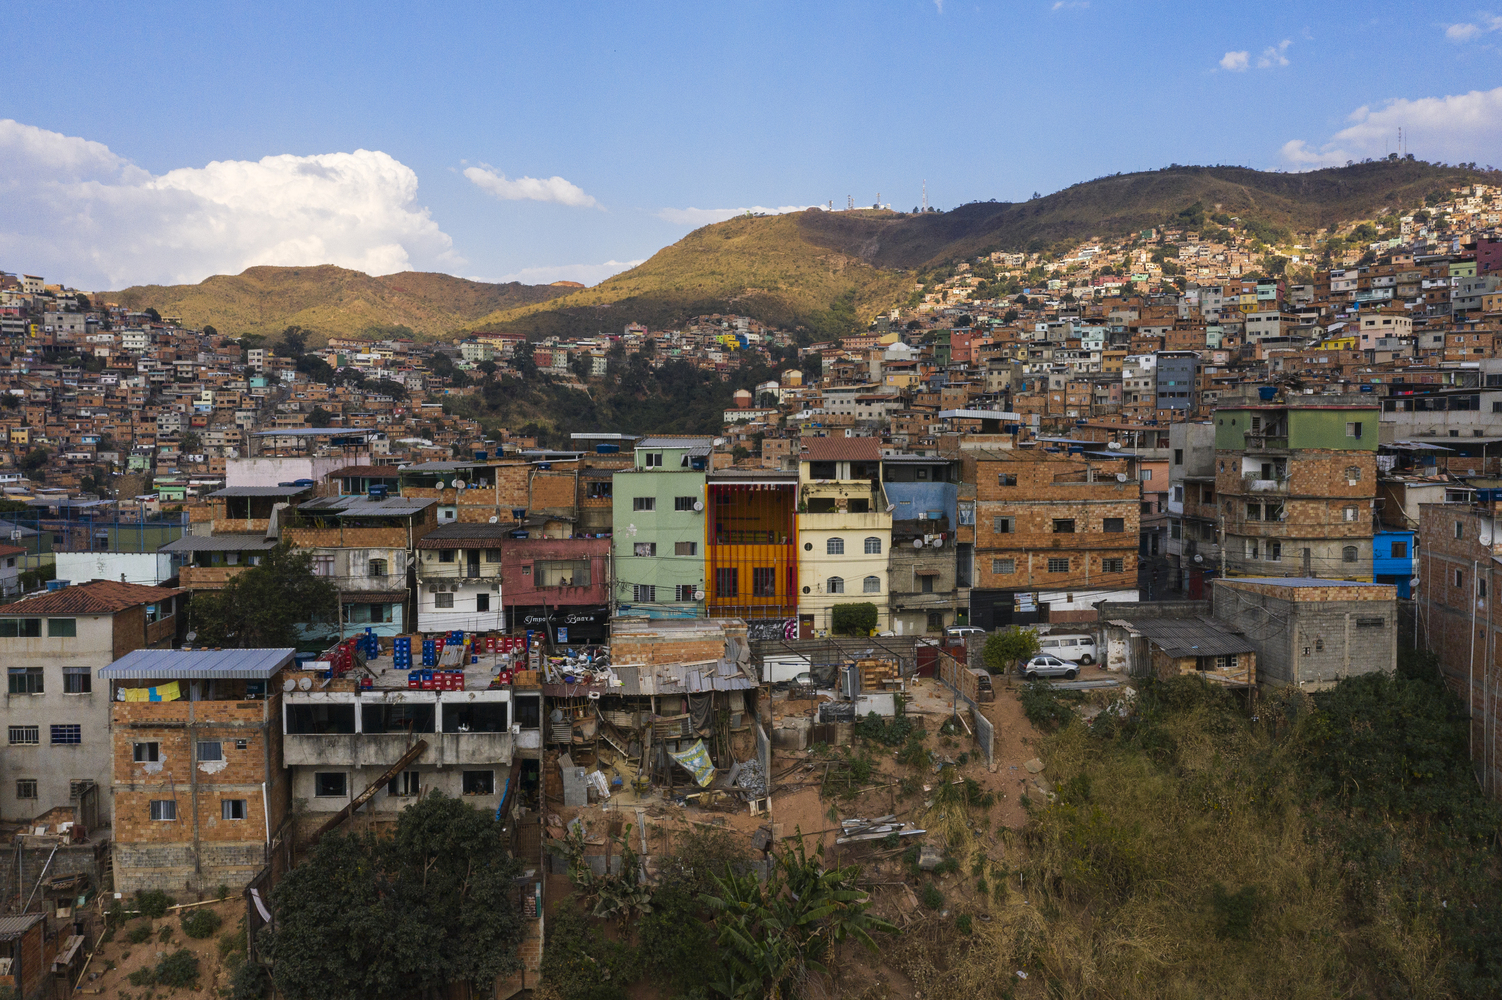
(659, 528)
(1296, 482)
(57, 722)
(195, 756)
(1192, 547)
(365, 545)
(751, 552)
(929, 563)
(844, 529)
(559, 586)
(1054, 531)
(459, 578)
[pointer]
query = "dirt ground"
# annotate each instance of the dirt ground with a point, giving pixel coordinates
(116, 959)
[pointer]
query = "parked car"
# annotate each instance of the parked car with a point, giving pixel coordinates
(961, 631)
(1076, 648)
(1044, 665)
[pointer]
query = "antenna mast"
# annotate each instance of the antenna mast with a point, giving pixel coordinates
(925, 196)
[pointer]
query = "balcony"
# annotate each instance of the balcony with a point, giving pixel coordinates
(1265, 485)
(385, 749)
(1267, 442)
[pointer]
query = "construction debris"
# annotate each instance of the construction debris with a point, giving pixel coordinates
(881, 827)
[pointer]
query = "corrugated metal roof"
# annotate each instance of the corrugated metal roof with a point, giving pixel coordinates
(12, 927)
(194, 664)
(219, 543)
(1199, 636)
(260, 491)
(675, 442)
(395, 507)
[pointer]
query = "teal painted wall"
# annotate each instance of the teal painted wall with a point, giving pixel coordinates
(663, 527)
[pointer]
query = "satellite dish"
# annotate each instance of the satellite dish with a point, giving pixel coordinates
(891, 507)
(1113, 444)
(1121, 477)
(698, 505)
(458, 484)
(493, 519)
(289, 684)
(1198, 558)
(917, 543)
(306, 683)
(698, 595)
(190, 637)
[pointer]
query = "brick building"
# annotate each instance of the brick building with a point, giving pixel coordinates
(1311, 632)
(1462, 618)
(199, 790)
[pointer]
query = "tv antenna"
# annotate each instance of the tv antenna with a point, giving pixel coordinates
(850, 203)
(925, 195)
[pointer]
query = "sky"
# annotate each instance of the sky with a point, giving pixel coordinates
(505, 142)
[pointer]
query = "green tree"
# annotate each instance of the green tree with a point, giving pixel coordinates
(264, 605)
(35, 460)
(739, 452)
(156, 317)
(402, 915)
(522, 361)
(209, 330)
(189, 442)
(82, 301)
(319, 417)
(853, 619)
(487, 368)
(294, 342)
(1005, 650)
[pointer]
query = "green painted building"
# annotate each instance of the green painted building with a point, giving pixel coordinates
(658, 528)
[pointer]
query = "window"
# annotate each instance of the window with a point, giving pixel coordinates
(67, 735)
(1353, 473)
(26, 788)
(478, 782)
(835, 547)
(447, 555)
(1175, 529)
(726, 581)
(871, 585)
(1063, 525)
(1003, 565)
(1058, 565)
(492, 555)
(231, 808)
(20, 628)
(1275, 551)
(1178, 456)
(1370, 622)
(482, 602)
(685, 548)
(210, 750)
(377, 567)
(1004, 525)
(967, 514)
(145, 753)
(1251, 549)
(62, 628)
(1349, 514)
(764, 581)
(1400, 550)
(1459, 530)
(164, 810)
(25, 736)
(323, 565)
(644, 549)
(926, 583)
(404, 785)
(1146, 476)
(1353, 430)
(643, 503)
(644, 593)
(443, 601)
(1007, 479)
(77, 680)
(1348, 554)
(935, 621)
(1480, 586)
(1459, 578)
(1115, 524)
(329, 784)
(873, 546)
(599, 490)
(1254, 512)
(834, 585)
(654, 460)
(684, 503)
(1112, 565)
(684, 592)
(563, 573)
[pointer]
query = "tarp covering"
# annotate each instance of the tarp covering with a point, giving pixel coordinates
(696, 760)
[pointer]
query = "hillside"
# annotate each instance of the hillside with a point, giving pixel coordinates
(331, 301)
(788, 269)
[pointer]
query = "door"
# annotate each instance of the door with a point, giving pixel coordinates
(473, 561)
(805, 626)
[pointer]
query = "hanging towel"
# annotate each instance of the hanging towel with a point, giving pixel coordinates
(165, 692)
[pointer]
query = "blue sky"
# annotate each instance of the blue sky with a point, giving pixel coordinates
(557, 140)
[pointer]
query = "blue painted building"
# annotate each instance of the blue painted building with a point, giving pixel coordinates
(1393, 559)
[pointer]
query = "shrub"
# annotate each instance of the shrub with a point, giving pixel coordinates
(222, 892)
(1046, 707)
(249, 982)
(178, 969)
(139, 933)
(200, 924)
(878, 730)
(154, 903)
(962, 923)
(931, 897)
(853, 619)
(1005, 650)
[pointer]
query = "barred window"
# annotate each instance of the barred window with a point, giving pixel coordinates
(1003, 565)
(1112, 565)
(835, 547)
(873, 546)
(644, 593)
(871, 585)
(67, 735)
(835, 585)
(25, 736)
(1058, 565)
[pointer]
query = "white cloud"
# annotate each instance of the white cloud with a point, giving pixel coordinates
(1236, 62)
(588, 274)
(554, 189)
(1464, 32)
(79, 213)
(697, 217)
(1070, 4)
(940, 5)
(1452, 129)
(1274, 55)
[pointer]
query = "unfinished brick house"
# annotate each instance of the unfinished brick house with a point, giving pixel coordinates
(199, 789)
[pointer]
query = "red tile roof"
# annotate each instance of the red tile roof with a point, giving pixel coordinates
(841, 449)
(97, 597)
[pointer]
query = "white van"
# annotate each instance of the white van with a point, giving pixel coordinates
(1075, 648)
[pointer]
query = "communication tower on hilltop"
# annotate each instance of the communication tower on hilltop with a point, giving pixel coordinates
(850, 203)
(925, 196)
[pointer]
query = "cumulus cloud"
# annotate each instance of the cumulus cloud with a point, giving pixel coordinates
(554, 189)
(1456, 128)
(1235, 62)
(1466, 31)
(588, 274)
(77, 212)
(1274, 55)
(697, 217)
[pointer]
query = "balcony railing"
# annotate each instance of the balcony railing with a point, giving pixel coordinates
(1266, 442)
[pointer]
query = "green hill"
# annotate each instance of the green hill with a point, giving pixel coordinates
(790, 269)
(331, 301)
